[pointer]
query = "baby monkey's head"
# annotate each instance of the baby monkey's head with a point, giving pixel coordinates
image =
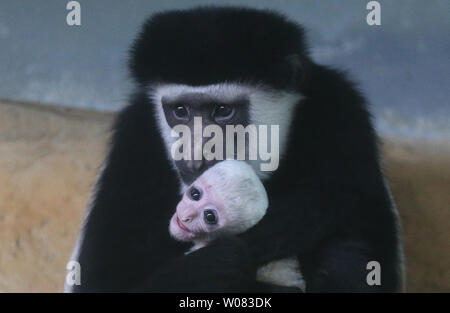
(228, 198)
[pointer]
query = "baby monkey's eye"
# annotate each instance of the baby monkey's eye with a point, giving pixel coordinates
(210, 217)
(195, 194)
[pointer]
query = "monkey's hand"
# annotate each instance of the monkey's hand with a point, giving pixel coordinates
(222, 266)
(270, 240)
(293, 225)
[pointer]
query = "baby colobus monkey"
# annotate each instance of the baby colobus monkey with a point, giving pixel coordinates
(228, 199)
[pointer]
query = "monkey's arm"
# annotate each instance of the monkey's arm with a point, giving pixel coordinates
(223, 266)
(333, 237)
(340, 265)
(293, 225)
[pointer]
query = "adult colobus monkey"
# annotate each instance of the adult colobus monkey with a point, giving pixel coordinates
(328, 201)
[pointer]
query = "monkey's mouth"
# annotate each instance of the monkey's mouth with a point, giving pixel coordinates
(183, 227)
(180, 231)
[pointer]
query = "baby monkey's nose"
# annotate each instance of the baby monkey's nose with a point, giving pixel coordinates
(187, 217)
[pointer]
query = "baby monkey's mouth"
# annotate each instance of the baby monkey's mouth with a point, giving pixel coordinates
(189, 234)
(182, 226)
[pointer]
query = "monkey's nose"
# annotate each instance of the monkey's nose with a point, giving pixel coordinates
(195, 165)
(187, 217)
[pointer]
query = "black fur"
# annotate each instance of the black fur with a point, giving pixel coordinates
(328, 202)
(209, 45)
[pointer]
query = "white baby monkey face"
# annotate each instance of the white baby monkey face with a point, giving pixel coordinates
(228, 198)
(199, 214)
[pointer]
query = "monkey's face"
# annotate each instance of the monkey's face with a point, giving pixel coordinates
(197, 111)
(200, 215)
(226, 199)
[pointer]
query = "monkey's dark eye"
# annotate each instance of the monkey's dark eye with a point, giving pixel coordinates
(181, 112)
(223, 112)
(195, 194)
(210, 217)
